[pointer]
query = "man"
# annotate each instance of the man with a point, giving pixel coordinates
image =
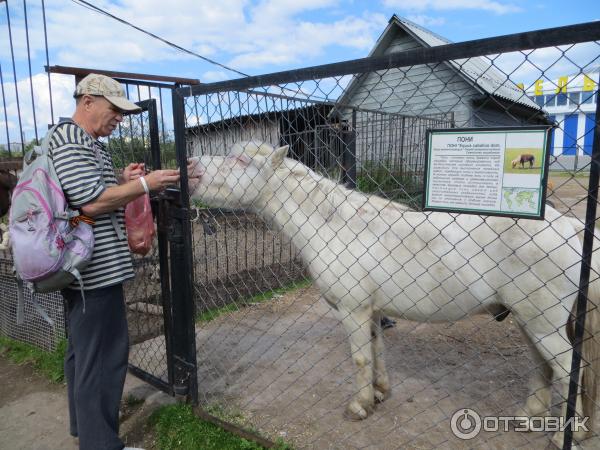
(97, 353)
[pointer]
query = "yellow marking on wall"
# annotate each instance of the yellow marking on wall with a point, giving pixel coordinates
(561, 87)
(521, 86)
(588, 83)
(539, 87)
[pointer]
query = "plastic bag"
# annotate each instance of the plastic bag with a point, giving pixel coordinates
(140, 225)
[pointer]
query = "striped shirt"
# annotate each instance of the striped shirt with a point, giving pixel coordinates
(75, 156)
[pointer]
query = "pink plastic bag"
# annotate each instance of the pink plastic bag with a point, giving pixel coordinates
(140, 225)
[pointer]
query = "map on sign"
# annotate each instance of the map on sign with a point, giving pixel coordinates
(517, 199)
(498, 171)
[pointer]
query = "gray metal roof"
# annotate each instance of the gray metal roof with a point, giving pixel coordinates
(478, 71)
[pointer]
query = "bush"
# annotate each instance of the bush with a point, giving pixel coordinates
(388, 181)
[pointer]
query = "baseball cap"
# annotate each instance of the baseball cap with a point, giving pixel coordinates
(111, 90)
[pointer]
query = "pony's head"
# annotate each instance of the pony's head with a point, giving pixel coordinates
(238, 180)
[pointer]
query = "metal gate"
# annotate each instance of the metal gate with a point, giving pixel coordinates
(158, 350)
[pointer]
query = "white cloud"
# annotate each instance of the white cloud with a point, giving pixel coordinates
(62, 105)
(309, 39)
(241, 31)
(214, 75)
(451, 5)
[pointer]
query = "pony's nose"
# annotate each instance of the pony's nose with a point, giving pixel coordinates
(196, 169)
(199, 170)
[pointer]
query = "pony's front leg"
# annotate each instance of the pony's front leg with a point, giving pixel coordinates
(358, 326)
(382, 381)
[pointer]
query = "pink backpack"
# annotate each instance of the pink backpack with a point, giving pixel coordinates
(50, 245)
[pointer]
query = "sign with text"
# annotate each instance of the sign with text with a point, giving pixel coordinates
(494, 171)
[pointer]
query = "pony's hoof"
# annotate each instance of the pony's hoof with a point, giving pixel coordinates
(382, 395)
(355, 412)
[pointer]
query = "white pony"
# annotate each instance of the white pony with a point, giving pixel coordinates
(372, 257)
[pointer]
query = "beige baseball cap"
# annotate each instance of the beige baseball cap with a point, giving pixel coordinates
(111, 90)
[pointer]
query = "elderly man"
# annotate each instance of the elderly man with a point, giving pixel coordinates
(96, 358)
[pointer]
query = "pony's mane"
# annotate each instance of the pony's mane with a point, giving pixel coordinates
(331, 197)
(328, 197)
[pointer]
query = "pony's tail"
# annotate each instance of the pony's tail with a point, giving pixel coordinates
(590, 352)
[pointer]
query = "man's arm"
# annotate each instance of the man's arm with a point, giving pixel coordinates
(115, 197)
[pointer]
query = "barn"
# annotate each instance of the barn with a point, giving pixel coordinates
(463, 93)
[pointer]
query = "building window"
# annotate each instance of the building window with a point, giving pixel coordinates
(588, 97)
(550, 100)
(539, 99)
(561, 99)
(574, 98)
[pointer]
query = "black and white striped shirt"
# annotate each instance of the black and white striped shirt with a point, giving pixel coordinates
(75, 156)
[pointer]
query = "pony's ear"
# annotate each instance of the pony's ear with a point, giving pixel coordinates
(278, 155)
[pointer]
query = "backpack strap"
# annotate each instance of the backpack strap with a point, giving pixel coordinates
(20, 302)
(36, 305)
(113, 216)
(77, 276)
(39, 150)
(100, 159)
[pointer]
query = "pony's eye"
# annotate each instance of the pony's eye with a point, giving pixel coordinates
(240, 160)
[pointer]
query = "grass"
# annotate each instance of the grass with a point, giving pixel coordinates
(212, 314)
(385, 178)
(48, 364)
(178, 428)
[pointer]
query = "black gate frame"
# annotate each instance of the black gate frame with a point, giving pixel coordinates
(550, 37)
(177, 303)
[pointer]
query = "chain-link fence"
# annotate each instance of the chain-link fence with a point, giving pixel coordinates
(483, 305)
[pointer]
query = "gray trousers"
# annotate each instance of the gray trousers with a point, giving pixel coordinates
(96, 365)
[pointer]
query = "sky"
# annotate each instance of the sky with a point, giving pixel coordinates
(252, 37)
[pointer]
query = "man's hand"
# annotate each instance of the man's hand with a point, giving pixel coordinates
(159, 179)
(133, 171)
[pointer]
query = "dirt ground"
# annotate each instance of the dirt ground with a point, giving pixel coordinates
(569, 195)
(286, 367)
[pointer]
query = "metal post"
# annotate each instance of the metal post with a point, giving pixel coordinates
(154, 138)
(584, 279)
(349, 155)
(182, 287)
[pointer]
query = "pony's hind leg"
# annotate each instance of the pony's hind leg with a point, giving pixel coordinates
(539, 398)
(381, 384)
(556, 350)
(357, 324)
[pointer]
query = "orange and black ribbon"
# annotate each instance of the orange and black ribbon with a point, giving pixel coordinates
(74, 221)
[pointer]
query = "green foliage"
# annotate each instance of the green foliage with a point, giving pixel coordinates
(168, 157)
(49, 364)
(4, 153)
(384, 179)
(125, 149)
(177, 427)
(212, 314)
(31, 144)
